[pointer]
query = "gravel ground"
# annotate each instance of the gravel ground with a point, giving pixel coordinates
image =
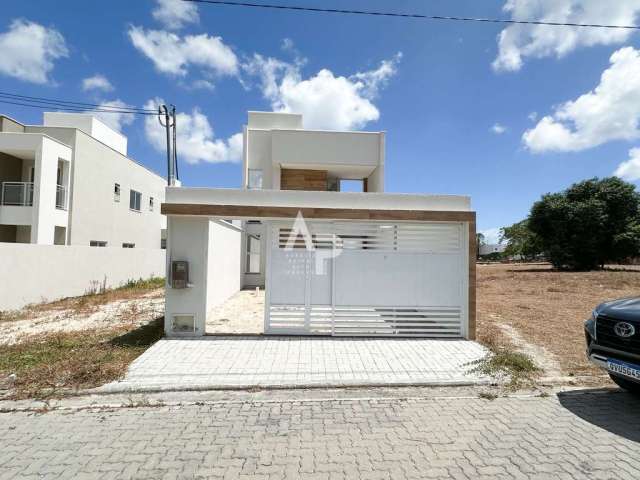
(132, 311)
(243, 313)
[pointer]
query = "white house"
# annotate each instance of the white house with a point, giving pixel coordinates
(332, 262)
(69, 182)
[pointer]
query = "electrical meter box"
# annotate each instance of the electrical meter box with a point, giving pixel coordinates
(179, 274)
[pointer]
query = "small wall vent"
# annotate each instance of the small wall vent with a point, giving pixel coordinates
(183, 323)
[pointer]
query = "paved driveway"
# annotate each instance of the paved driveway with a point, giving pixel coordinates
(219, 362)
(571, 436)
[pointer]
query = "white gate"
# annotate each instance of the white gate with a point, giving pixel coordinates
(374, 279)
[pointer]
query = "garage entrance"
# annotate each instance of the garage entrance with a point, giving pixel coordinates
(367, 279)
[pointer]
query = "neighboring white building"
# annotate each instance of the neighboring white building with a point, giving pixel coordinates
(70, 182)
(489, 248)
(65, 187)
(372, 263)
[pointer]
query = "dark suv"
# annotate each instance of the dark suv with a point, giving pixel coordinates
(613, 341)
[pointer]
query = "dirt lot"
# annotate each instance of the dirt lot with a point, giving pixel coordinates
(541, 311)
(81, 342)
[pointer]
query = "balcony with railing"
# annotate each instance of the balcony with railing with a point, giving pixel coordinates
(17, 194)
(20, 194)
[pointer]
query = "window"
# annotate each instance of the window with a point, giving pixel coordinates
(128, 245)
(255, 179)
(97, 243)
(135, 199)
(116, 192)
(151, 204)
(253, 254)
(163, 243)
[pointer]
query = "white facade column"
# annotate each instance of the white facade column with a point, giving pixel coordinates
(44, 193)
(188, 240)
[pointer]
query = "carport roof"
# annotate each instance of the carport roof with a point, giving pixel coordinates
(274, 204)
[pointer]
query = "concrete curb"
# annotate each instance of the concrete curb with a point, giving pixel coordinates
(118, 388)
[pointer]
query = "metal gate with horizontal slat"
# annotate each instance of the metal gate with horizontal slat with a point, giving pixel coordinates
(368, 279)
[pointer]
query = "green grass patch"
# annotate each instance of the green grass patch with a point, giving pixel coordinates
(143, 284)
(517, 366)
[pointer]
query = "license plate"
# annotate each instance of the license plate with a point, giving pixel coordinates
(623, 368)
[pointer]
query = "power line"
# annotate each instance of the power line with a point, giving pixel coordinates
(411, 15)
(71, 109)
(41, 102)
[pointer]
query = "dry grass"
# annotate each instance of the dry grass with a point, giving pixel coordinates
(53, 364)
(90, 302)
(547, 307)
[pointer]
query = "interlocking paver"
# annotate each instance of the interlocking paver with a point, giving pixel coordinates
(571, 436)
(301, 361)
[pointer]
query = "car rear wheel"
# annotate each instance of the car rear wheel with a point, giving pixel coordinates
(625, 384)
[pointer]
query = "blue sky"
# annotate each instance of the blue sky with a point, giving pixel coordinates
(464, 109)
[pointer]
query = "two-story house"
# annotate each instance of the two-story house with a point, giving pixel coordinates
(69, 181)
(332, 262)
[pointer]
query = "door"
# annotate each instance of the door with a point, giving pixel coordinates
(368, 278)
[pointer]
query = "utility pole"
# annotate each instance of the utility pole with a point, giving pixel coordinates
(163, 111)
(175, 148)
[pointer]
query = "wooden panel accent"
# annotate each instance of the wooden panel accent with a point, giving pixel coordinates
(472, 279)
(257, 211)
(299, 179)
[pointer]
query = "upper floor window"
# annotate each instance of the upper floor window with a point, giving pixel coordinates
(255, 178)
(97, 243)
(116, 192)
(135, 199)
(151, 204)
(128, 245)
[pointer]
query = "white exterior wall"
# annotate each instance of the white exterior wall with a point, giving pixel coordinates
(95, 215)
(213, 253)
(45, 215)
(44, 154)
(270, 120)
(35, 273)
(322, 150)
(223, 263)
(258, 156)
(89, 125)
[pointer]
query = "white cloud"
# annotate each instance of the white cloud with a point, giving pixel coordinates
(175, 14)
(498, 129)
(491, 235)
(518, 42)
(28, 51)
(611, 111)
(325, 100)
(196, 140)
(533, 116)
(174, 55)
(97, 82)
(116, 120)
(630, 169)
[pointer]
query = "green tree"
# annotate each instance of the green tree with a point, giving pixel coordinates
(589, 224)
(521, 242)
